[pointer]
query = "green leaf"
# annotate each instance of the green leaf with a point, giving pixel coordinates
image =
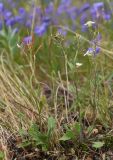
(42, 102)
(24, 144)
(67, 136)
(2, 155)
(51, 125)
(90, 129)
(21, 132)
(98, 144)
(38, 137)
(34, 132)
(64, 138)
(71, 66)
(77, 128)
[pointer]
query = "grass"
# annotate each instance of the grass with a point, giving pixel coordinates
(50, 108)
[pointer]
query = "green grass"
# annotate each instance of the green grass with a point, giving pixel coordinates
(49, 104)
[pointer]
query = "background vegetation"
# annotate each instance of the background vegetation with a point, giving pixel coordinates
(56, 78)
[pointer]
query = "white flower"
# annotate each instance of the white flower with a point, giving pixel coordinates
(89, 23)
(19, 46)
(89, 52)
(78, 64)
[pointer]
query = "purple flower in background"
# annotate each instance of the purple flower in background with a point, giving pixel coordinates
(39, 14)
(50, 8)
(98, 5)
(22, 17)
(83, 18)
(19, 19)
(28, 23)
(85, 7)
(10, 21)
(27, 40)
(62, 32)
(84, 28)
(61, 9)
(11, 3)
(107, 16)
(93, 13)
(21, 11)
(66, 2)
(99, 37)
(7, 14)
(38, 10)
(15, 30)
(40, 30)
(66, 14)
(97, 10)
(0, 25)
(46, 20)
(92, 51)
(1, 7)
(97, 50)
(72, 12)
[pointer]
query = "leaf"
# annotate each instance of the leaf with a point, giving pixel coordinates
(67, 136)
(90, 129)
(24, 144)
(21, 132)
(64, 138)
(51, 125)
(71, 66)
(42, 102)
(77, 128)
(38, 137)
(98, 144)
(2, 155)
(34, 132)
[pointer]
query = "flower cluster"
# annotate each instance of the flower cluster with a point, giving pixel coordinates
(66, 13)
